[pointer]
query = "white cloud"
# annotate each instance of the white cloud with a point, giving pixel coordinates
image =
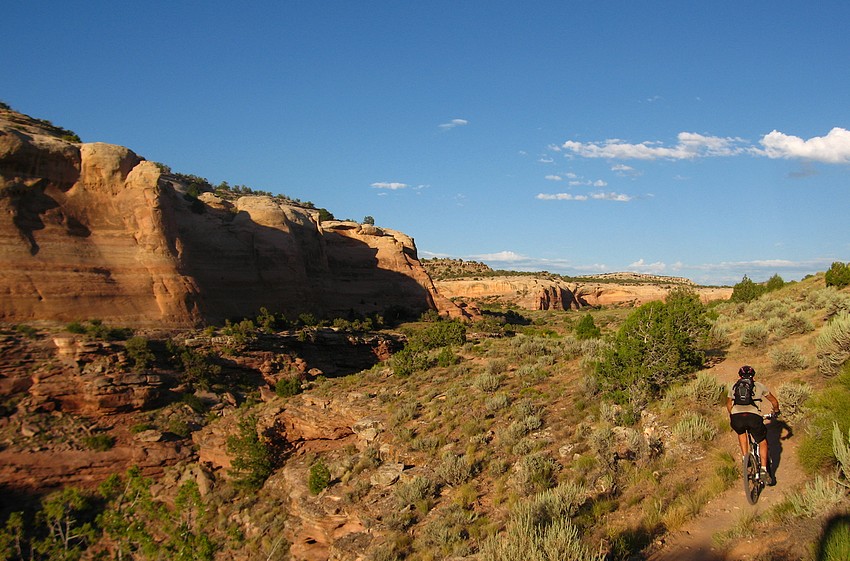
(619, 197)
(622, 170)
(501, 256)
(518, 262)
(642, 266)
(575, 181)
(600, 196)
(393, 186)
(554, 178)
(592, 268)
(690, 146)
(454, 123)
(834, 148)
(561, 197)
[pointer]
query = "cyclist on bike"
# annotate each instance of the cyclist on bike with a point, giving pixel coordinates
(745, 416)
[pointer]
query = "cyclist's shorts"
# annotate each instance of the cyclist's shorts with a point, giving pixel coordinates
(743, 422)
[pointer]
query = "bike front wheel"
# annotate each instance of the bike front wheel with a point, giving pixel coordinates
(752, 484)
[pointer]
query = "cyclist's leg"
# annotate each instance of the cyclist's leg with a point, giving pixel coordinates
(739, 425)
(763, 453)
(744, 443)
(759, 432)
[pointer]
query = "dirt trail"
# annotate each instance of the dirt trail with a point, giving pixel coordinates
(694, 541)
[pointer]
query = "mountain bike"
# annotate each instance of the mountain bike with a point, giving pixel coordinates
(753, 482)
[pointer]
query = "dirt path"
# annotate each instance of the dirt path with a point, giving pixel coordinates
(695, 540)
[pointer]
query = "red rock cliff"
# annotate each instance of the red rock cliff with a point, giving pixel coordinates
(95, 231)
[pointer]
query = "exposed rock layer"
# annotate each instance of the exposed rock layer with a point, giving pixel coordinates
(95, 231)
(534, 293)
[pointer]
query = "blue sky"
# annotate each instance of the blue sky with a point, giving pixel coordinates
(701, 140)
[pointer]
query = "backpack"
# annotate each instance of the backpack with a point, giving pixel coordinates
(743, 392)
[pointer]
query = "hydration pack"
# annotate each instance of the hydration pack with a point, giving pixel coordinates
(743, 392)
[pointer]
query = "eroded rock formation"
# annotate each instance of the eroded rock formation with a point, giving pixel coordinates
(536, 293)
(95, 231)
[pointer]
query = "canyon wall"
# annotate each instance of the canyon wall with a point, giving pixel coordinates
(95, 231)
(538, 293)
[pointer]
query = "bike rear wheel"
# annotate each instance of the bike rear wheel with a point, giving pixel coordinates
(752, 485)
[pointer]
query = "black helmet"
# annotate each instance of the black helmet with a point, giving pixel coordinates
(746, 372)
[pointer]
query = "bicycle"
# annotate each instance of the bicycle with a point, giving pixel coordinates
(753, 482)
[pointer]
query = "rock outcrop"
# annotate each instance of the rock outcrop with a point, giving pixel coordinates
(95, 231)
(539, 293)
(303, 427)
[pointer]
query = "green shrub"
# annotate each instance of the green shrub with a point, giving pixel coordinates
(140, 352)
(746, 290)
(827, 408)
(788, 358)
(764, 309)
(287, 387)
(241, 333)
(410, 360)
(841, 450)
(496, 402)
(694, 428)
(755, 335)
(251, 462)
(719, 336)
(75, 327)
(657, 344)
(829, 299)
(27, 331)
(446, 357)
(838, 275)
(792, 397)
(415, 491)
(797, 323)
(442, 334)
(447, 534)
(531, 374)
(834, 544)
(496, 367)
(586, 328)
(540, 529)
(406, 411)
(774, 283)
(99, 442)
(200, 369)
(319, 478)
(194, 402)
(706, 390)
(818, 497)
(488, 382)
(179, 428)
(833, 344)
(536, 472)
(455, 469)
(141, 427)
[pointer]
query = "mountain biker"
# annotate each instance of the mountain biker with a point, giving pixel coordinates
(745, 418)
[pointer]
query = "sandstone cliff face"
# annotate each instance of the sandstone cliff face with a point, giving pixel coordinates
(534, 293)
(95, 231)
